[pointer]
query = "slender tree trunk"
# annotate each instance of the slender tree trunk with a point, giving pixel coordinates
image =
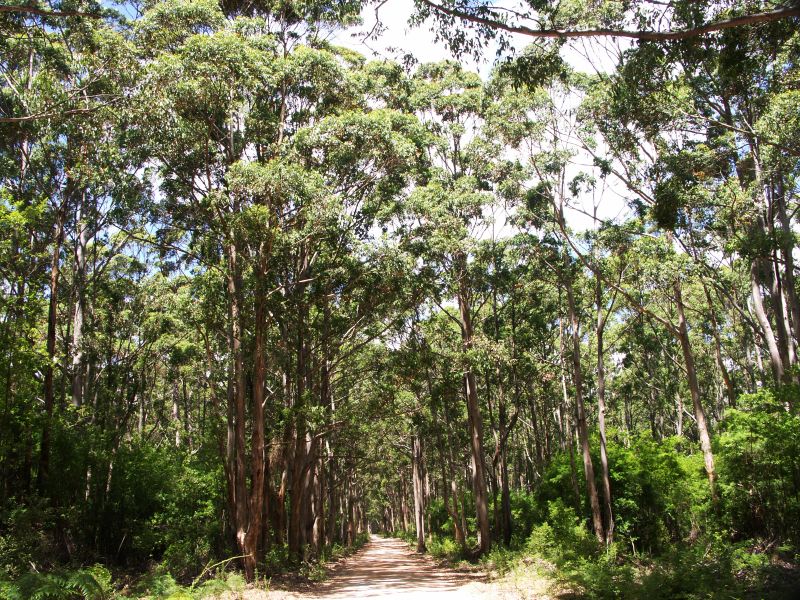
(694, 389)
(505, 491)
(176, 413)
(457, 514)
(475, 422)
(80, 303)
(419, 497)
(787, 249)
(403, 501)
(583, 432)
(776, 360)
(242, 516)
(723, 370)
(52, 313)
(253, 531)
(601, 412)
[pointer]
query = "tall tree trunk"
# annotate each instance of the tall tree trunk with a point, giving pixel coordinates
(52, 313)
(475, 419)
(694, 389)
(419, 496)
(776, 360)
(787, 254)
(723, 370)
(239, 416)
(258, 466)
(296, 537)
(601, 412)
(80, 303)
(505, 491)
(580, 412)
(404, 501)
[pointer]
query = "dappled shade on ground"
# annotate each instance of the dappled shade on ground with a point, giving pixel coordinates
(388, 568)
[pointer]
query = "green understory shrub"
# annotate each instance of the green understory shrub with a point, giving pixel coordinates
(759, 467)
(92, 583)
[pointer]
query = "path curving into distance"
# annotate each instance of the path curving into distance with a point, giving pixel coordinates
(388, 568)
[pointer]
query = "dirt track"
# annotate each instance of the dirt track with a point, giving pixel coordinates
(388, 568)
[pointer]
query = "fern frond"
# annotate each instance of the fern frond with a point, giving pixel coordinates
(75, 585)
(86, 585)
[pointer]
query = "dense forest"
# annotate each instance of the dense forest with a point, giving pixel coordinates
(261, 294)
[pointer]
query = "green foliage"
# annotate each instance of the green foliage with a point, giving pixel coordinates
(189, 520)
(563, 534)
(83, 584)
(22, 540)
(653, 497)
(443, 547)
(162, 586)
(759, 468)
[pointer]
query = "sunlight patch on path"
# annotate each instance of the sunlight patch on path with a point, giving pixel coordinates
(387, 568)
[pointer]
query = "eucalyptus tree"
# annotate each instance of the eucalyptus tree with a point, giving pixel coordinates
(62, 89)
(713, 147)
(220, 93)
(684, 140)
(273, 169)
(444, 217)
(530, 121)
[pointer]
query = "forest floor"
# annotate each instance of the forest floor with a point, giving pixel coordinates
(389, 568)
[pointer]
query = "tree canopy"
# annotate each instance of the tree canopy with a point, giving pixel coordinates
(261, 295)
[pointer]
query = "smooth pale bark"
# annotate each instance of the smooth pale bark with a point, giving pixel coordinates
(776, 360)
(772, 270)
(176, 413)
(419, 496)
(779, 314)
(80, 303)
(787, 248)
(475, 424)
(762, 273)
(601, 413)
(694, 389)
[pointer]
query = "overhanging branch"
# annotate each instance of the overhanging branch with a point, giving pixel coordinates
(764, 17)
